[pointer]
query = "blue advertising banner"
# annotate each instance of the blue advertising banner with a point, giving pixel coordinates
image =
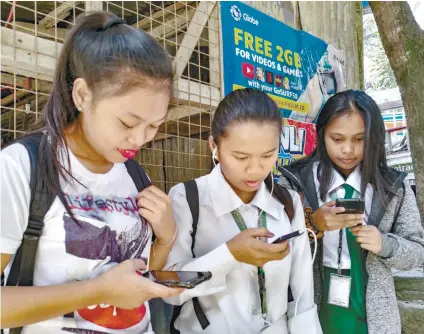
(297, 70)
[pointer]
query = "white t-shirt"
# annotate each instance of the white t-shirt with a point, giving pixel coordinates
(108, 231)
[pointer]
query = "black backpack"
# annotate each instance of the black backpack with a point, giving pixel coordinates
(22, 269)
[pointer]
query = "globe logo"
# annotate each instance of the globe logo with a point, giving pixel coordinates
(235, 13)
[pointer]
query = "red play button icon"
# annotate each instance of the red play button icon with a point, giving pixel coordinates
(248, 70)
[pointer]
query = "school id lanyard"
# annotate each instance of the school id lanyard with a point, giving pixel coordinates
(333, 197)
(238, 218)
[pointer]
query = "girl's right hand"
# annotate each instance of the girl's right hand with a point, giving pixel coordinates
(123, 287)
(246, 248)
(328, 218)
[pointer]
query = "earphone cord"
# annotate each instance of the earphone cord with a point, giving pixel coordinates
(303, 288)
(272, 191)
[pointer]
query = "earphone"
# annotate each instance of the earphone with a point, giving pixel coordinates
(214, 155)
(272, 191)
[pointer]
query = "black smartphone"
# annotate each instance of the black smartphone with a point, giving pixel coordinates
(287, 237)
(178, 279)
(354, 205)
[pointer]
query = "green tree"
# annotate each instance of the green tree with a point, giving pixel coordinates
(403, 41)
(381, 74)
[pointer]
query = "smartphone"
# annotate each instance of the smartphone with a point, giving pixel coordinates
(178, 279)
(354, 205)
(287, 237)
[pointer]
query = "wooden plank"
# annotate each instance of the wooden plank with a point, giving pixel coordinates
(161, 136)
(158, 16)
(12, 97)
(35, 85)
(29, 42)
(173, 26)
(27, 55)
(188, 127)
(27, 64)
(179, 112)
(93, 6)
(214, 49)
(59, 13)
(36, 57)
(192, 35)
(30, 28)
(195, 93)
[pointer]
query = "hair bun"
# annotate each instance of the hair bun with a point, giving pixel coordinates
(112, 23)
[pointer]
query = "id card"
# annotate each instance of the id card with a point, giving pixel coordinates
(339, 291)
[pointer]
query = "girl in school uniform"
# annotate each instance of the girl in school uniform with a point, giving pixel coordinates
(239, 217)
(353, 278)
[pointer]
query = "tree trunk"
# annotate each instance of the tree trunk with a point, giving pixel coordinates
(403, 41)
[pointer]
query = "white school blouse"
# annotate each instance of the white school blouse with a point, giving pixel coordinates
(230, 299)
(331, 238)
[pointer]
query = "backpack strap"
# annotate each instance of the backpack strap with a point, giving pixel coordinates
(22, 270)
(192, 194)
(138, 175)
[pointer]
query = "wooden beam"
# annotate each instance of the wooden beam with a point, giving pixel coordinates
(27, 55)
(203, 40)
(30, 28)
(192, 35)
(161, 136)
(59, 13)
(34, 103)
(172, 27)
(12, 97)
(93, 6)
(214, 49)
(36, 85)
(179, 112)
(35, 57)
(196, 94)
(158, 16)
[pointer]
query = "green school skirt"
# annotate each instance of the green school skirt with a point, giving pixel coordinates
(340, 320)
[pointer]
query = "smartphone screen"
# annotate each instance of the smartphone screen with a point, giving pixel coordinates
(354, 205)
(287, 237)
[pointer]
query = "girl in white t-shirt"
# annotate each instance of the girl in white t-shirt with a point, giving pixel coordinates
(110, 94)
(238, 205)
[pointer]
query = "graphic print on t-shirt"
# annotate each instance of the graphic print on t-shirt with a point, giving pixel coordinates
(108, 229)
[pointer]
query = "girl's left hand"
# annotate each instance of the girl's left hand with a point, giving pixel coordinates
(369, 237)
(156, 207)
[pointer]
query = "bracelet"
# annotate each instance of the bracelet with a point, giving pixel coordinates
(309, 224)
(170, 243)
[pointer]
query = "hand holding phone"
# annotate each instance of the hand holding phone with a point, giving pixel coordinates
(331, 216)
(247, 248)
(178, 279)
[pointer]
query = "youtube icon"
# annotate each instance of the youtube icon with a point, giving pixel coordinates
(248, 70)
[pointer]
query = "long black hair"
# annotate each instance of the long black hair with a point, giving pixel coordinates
(374, 164)
(102, 49)
(251, 105)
